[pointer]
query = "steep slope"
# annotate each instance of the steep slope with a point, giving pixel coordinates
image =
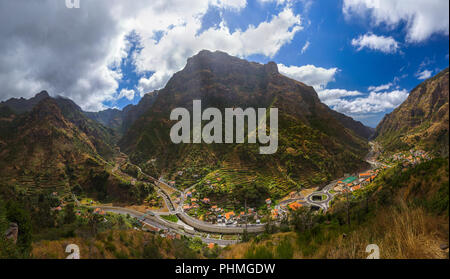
(39, 145)
(313, 145)
(356, 126)
(421, 121)
(54, 147)
(103, 138)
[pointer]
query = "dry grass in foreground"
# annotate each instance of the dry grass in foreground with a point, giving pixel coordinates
(403, 232)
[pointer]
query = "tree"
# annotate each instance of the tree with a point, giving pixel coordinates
(69, 216)
(15, 213)
(302, 219)
(245, 236)
(7, 248)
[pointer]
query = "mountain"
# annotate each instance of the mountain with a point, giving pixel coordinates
(422, 121)
(23, 105)
(51, 143)
(121, 120)
(102, 137)
(356, 126)
(55, 147)
(314, 146)
(39, 146)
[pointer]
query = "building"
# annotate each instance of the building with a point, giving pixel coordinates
(295, 205)
(349, 180)
(229, 215)
(365, 175)
(275, 214)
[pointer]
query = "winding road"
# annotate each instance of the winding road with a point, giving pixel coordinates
(325, 203)
(187, 224)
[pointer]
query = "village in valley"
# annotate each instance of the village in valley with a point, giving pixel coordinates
(195, 203)
(200, 206)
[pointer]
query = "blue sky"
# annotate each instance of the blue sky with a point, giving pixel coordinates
(361, 56)
(329, 35)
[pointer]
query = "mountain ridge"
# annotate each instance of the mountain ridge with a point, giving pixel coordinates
(421, 120)
(312, 142)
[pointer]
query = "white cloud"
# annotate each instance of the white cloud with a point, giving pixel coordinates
(127, 93)
(75, 52)
(329, 96)
(44, 45)
(380, 87)
(422, 18)
(374, 42)
(231, 4)
(369, 104)
(425, 74)
(279, 2)
(170, 53)
(316, 77)
(305, 47)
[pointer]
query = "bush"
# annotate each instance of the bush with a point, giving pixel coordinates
(285, 250)
(260, 252)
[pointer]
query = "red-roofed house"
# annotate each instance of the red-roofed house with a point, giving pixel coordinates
(229, 215)
(295, 205)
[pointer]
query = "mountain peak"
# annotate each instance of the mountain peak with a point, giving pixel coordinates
(206, 59)
(271, 68)
(41, 95)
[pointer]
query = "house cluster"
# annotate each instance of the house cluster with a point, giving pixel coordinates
(191, 202)
(279, 212)
(232, 218)
(99, 211)
(411, 158)
(165, 233)
(61, 205)
(354, 183)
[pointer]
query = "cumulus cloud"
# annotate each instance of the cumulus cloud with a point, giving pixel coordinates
(316, 77)
(374, 102)
(169, 54)
(422, 18)
(231, 4)
(425, 74)
(374, 42)
(127, 93)
(76, 53)
(44, 45)
(329, 96)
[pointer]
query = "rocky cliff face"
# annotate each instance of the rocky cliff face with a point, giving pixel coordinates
(313, 145)
(422, 120)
